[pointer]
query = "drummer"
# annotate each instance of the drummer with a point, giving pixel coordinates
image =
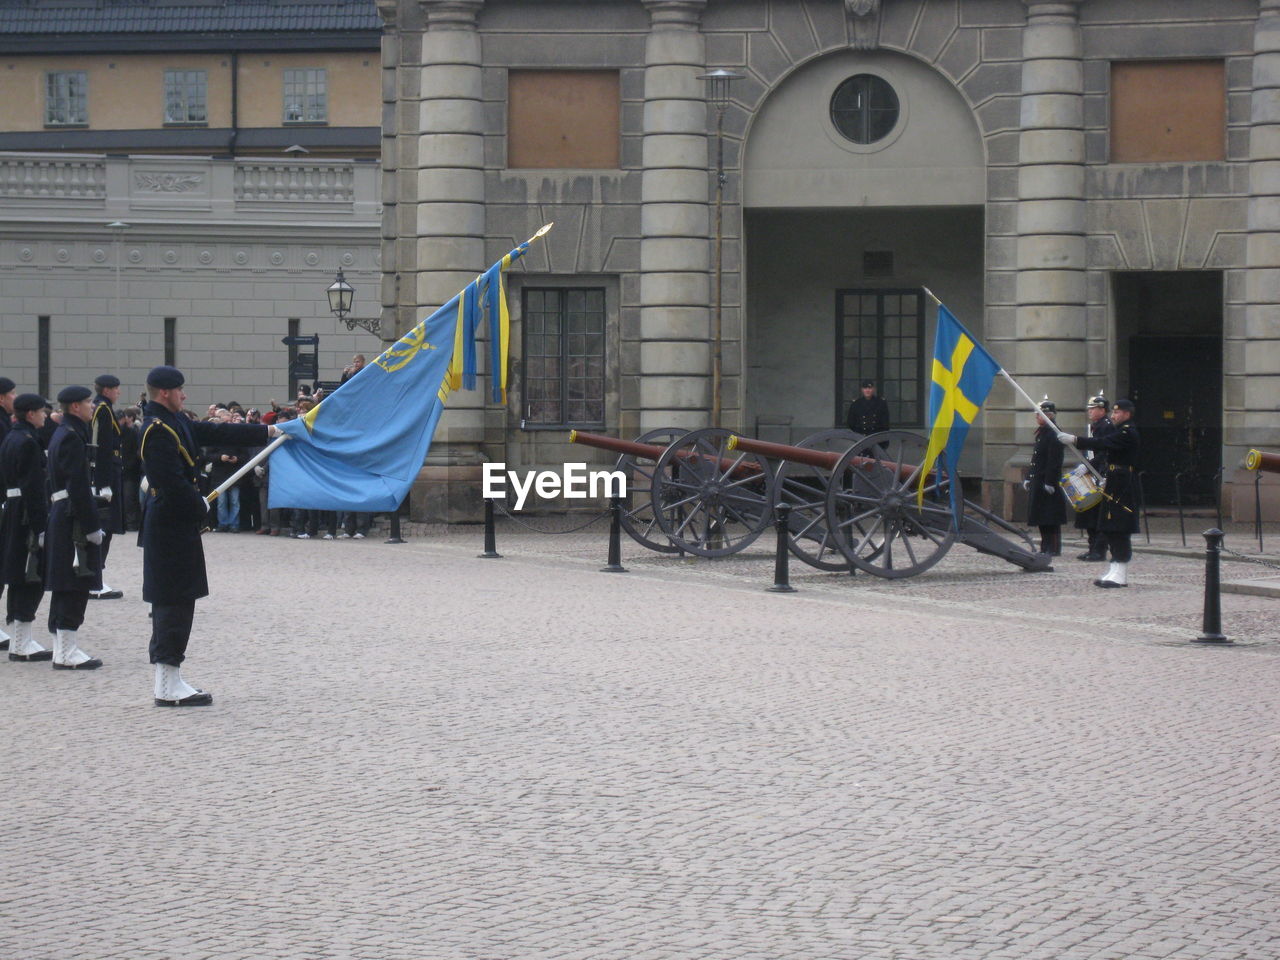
(1099, 425)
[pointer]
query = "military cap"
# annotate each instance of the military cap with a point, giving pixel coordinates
(28, 401)
(165, 378)
(1048, 406)
(868, 383)
(1098, 402)
(1124, 403)
(74, 394)
(107, 381)
(7, 385)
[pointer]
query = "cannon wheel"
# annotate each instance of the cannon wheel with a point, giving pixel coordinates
(638, 519)
(871, 502)
(710, 500)
(804, 487)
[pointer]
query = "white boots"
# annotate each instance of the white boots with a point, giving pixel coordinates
(173, 691)
(1116, 576)
(23, 648)
(68, 656)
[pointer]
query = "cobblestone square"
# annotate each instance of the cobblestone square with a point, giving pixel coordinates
(414, 753)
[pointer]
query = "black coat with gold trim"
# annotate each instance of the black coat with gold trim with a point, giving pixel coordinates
(22, 468)
(108, 464)
(173, 513)
(74, 516)
(1118, 512)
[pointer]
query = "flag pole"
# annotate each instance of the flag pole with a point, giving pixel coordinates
(1035, 407)
(253, 462)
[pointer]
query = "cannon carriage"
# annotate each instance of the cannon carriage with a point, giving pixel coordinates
(853, 500)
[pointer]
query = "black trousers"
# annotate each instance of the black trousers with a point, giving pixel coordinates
(106, 547)
(23, 602)
(170, 631)
(66, 609)
(1121, 548)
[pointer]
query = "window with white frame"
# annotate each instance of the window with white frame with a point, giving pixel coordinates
(66, 98)
(186, 94)
(306, 97)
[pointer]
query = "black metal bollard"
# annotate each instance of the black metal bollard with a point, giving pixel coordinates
(781, 584)
(490, 535)
(1257, 506)
(1211, 629)
(394, 536)
(615, 538)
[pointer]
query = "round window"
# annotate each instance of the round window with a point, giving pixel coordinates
(864, 108)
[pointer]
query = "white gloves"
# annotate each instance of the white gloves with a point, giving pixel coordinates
(1026, 485)
(1048, 488)
(206, 504)
(105, 494)
(273, 431)
(96, 537)
(40, 540)
(259, 471)
(1066, 438)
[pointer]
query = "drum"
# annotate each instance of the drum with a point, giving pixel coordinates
(1081, 489)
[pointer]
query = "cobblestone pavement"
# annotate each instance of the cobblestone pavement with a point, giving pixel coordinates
(414, 753)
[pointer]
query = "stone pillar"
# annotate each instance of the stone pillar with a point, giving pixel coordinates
(1251, 392)
(444, 197)
(1050, 355)
(675, 283)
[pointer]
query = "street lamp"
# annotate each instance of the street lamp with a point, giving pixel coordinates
(341, 294)
(719, 82)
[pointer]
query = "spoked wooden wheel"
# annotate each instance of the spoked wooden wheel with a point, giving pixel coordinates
(709, 500)
(638, 518)
(872, 511)
(804, 487)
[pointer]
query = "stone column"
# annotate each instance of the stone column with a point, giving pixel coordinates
(1050, 354)
(1251, 392)
(444, 195)
(675, 292)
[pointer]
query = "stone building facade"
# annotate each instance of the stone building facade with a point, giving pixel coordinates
(1091, 186)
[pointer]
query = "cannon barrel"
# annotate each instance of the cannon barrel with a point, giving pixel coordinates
(814, 458)
(1265, 462)
(651, 452)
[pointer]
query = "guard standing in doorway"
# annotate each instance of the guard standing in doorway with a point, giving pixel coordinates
(869, 413)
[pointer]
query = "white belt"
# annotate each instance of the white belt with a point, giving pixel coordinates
(13, 492)
(59, 495)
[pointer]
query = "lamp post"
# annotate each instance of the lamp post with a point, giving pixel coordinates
(341, 294)
(719, 82)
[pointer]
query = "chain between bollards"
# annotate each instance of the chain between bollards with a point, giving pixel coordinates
(615, 538)
(490, 535)
(1211, 628)
(781, 518)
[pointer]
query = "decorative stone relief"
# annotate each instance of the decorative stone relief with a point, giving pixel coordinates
(277, 258)
(348, 259)
(135, 255)
(206, 257)
(171, 256)
(864, 23)
(63, 254)
(149, 182)
(312, 258)
(241, 257)
(25, 254)
(99, 255)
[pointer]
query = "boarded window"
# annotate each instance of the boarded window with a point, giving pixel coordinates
(1168, 110)
(562, 118)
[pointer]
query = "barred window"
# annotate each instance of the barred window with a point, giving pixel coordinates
(880, 337)
(306, 97)
(186, 93)
(564, 356)
(66, 100)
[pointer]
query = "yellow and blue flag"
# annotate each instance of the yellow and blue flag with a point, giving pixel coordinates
(962, 376)
(362, 446)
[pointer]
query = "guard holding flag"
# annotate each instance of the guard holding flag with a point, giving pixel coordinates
(173, 513)
(73, 558)
(22, 526)
(108, 470)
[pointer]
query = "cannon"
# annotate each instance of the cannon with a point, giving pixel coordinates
(853, 499)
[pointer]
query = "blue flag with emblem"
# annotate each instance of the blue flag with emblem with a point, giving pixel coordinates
(962, 376)
(361, 447)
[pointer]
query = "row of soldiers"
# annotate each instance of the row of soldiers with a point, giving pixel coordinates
(62, 506)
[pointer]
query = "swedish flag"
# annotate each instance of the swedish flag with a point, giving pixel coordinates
(962, 376)
(362, 446)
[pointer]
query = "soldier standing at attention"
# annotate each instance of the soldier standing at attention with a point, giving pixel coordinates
(73, 556)
(1087, 520)
(1046, 506)
(108, 471)
(1118, 519)
(7, 388)
(26, 514)
(173, 572)
(868, 413)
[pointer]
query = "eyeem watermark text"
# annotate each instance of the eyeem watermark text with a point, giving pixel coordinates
(575, 482)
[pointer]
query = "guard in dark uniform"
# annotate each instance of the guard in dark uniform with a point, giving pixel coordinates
(108, 471)
(73, 562)
(1118, 517)
(173, 513)
(22, 525)
(7, 391)
(1046, 504)
(868, 413)
(1087, 520)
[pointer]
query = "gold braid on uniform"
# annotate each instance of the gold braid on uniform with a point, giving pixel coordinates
(142, 445)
